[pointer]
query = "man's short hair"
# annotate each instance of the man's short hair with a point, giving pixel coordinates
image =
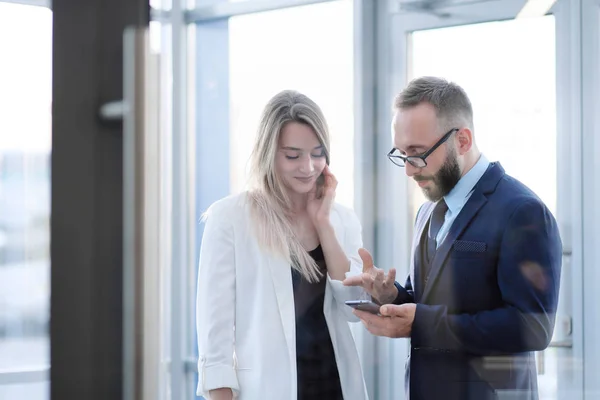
(452, 105)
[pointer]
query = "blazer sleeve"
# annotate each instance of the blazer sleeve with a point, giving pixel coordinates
(215, 304)
(528, 276)
(352, 241)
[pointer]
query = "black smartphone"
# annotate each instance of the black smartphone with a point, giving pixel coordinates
(364, 305)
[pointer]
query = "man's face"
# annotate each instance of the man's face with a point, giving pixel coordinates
(416, 130)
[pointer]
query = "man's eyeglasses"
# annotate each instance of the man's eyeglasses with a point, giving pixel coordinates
(418, 161)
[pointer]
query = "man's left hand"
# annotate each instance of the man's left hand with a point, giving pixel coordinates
(394, 322)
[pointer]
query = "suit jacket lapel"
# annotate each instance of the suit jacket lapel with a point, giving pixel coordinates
(469, 211)
(486, 184)
(415, 258)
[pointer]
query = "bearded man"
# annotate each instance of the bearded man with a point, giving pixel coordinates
(482, 292)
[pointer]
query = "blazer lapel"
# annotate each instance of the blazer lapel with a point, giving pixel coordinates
(282, 283)
(486, 184)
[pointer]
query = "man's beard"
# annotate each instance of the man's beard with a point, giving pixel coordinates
(444, 180)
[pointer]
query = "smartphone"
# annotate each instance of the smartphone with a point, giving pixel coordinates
(364, 305)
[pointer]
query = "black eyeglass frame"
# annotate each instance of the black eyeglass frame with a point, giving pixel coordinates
(419, 161)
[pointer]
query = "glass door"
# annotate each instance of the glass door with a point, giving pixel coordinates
(508, 66)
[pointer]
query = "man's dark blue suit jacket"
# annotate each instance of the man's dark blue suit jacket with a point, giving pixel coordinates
(490, 298)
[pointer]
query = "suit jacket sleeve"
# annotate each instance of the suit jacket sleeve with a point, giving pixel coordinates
(352, 241)
(405, 293)
(528, 275)
(215, 306)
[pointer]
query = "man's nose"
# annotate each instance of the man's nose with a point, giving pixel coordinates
(411, 170)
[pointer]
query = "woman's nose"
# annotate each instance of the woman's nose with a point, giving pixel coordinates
(307, 165)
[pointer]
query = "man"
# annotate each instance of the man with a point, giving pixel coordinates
(485, 267)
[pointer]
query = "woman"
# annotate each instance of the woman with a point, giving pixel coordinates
(271, 318)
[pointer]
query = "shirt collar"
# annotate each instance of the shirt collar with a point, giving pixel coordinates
(458, 195)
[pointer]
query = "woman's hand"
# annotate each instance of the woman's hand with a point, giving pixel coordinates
(320, 200)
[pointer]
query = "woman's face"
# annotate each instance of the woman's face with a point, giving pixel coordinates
(300, 158)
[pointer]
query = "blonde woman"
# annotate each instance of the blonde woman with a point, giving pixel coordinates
(271, 318)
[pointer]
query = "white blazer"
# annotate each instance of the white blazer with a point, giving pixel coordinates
(245, 312)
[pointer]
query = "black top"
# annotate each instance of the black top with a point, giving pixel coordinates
(317, 369)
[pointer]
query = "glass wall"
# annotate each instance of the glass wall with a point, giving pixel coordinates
(236, 64)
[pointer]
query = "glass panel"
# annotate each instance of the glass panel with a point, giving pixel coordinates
(508, 70)
(316, 61)
(25, 144)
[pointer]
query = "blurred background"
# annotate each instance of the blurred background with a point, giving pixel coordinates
(98, 270)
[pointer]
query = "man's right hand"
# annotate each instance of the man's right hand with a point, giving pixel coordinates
(221, 394)
(376, 282)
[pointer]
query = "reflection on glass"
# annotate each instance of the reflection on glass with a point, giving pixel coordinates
(25, 142)
(276, 50)
(508, 70)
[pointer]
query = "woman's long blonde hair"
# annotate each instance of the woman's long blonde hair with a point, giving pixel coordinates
(269, 201)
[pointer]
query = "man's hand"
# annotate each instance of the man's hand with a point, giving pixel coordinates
(376, 282)
(394, 322)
